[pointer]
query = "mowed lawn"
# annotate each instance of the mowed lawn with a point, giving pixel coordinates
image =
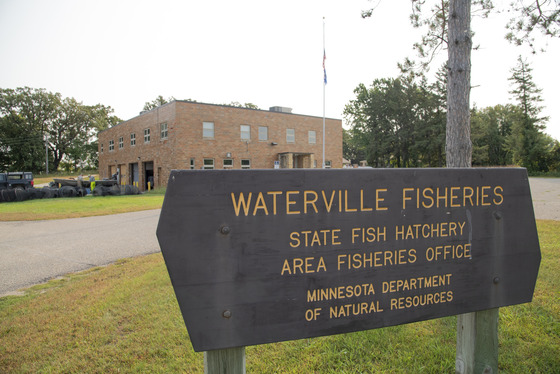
(74, 207)
(124, 318)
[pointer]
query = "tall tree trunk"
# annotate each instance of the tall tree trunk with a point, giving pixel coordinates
(458, 138)
(477, 333)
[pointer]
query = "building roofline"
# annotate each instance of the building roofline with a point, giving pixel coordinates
(258, 110)
(142, 113)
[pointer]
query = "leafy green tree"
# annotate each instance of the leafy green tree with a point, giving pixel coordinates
(366, 115)
(158, 101)
(19, 149)
(554, 156)
(397, 122)
(246, 105)
(353, 147)
(30, 117)
(491, 130)
(430, 132)
(25, 115)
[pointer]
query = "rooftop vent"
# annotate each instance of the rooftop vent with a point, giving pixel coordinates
(280, 109)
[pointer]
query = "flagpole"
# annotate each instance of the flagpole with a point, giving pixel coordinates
(324, 86)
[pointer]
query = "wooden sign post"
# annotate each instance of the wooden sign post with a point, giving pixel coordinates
(261, 256)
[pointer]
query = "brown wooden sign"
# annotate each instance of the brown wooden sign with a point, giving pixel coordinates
(260, 256)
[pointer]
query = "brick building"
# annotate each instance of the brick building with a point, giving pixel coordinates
(191, 135)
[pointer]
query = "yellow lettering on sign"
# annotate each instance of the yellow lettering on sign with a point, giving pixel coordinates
(307, 201)
(305, 265)
(260, 204)
(290, 202)
(310, 238)
(356, 309)
(241, 202)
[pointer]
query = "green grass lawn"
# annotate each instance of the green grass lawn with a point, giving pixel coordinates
(59, 208)
(125, 318)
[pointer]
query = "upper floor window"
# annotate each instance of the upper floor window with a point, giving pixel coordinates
(146, 135)
(312, 136)
(111, 145)
(133, 139)
(163, 130)
(101, 147)
(192, 163)
(328, 164)
(263, 133)
(246, 164)
(245, 132)
(121, 143)
(290, 135)
(208, 130)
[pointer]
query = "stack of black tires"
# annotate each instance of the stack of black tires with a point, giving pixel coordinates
(115, 190)
(20, 194)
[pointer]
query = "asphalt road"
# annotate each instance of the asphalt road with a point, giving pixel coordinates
(546, 197)
(34, 252)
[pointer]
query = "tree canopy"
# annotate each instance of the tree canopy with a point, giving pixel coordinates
(158, 101)
(35, 123)
(446, 25)
(401, 122)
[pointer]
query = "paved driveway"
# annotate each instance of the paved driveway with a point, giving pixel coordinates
(34, 252)
(546, 197)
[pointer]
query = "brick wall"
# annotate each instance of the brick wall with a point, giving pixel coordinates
(185, 141)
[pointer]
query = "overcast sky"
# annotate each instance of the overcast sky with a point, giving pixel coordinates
(269, 53)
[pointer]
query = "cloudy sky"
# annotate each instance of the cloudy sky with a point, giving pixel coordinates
(269, 53)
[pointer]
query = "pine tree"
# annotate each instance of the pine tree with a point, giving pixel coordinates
(527, 143)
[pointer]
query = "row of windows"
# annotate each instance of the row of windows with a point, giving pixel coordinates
(245, 132)
(227, 163)
(208, 133)
(164, 132)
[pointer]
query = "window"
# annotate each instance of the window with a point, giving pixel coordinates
(245, 164)
(245, 132)
(327, 164)
(101, 147)
(208, 163)
(208, 130)
(312, 136)
(146, 135)
(132, 139)
(263, 133)
(163, 130)
(228, 163)
(290, 135)
(111, 145)
(121, 143)
(192, 163)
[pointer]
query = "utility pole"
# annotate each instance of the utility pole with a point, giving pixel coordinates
(47, 153)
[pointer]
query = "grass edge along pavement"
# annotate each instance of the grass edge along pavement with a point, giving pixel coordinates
(125, 318)
(75, 207)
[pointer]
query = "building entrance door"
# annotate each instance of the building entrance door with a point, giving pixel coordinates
(134, 175)
(149, 174)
